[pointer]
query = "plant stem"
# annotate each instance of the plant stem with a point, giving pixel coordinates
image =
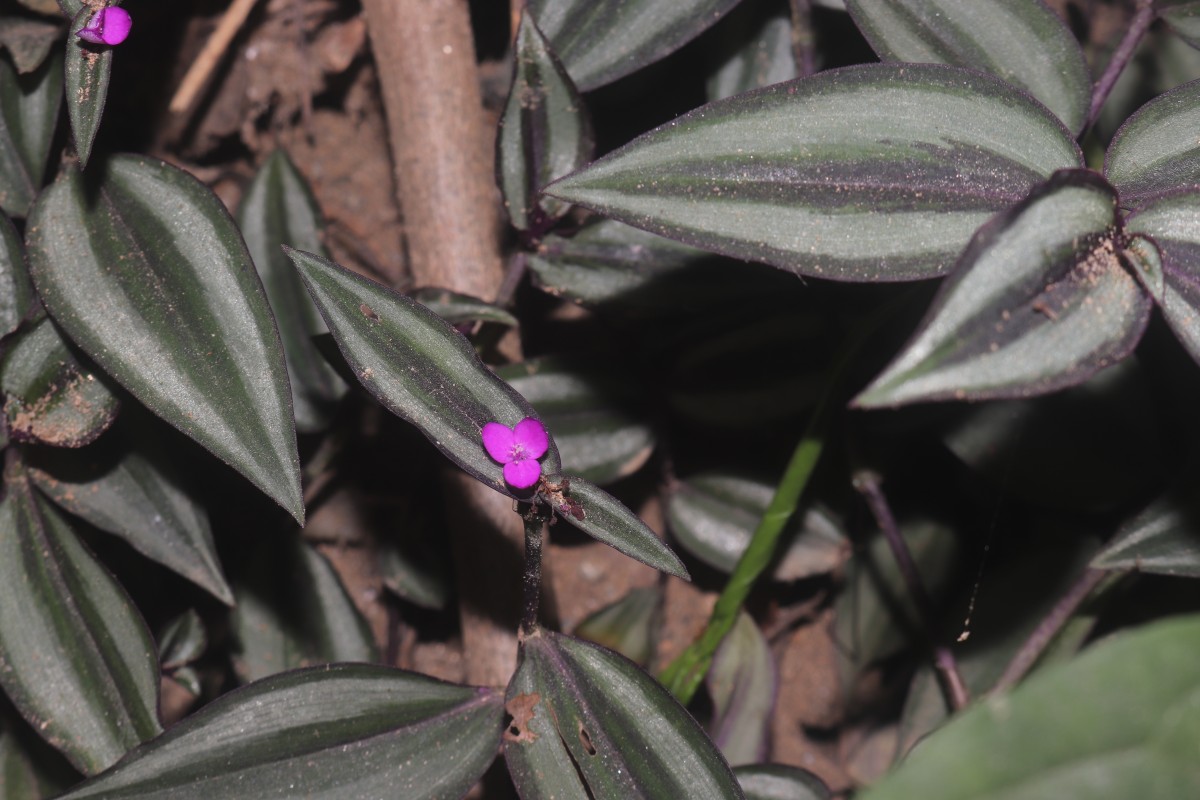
(1045, 632)
(803, 39)
(1138, 26)
(868, 485)
(535, 525)
(684, 675)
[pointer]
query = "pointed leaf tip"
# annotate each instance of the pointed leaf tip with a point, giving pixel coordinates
(144, 269)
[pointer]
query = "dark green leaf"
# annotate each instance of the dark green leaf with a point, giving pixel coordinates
(1039, 302)
(182, 641)
(68, 7)
(129, 485)
(545, 131)
(29, 40)
(641, 274)
(418, 366)
(278, 208)
(629, 626)
(144, 269)
(1156, 150)
(592, 408)
(600, 43)
(714, 515)
(764, 57)
(780, 782)
(601, 516)
(584, 716)
(88, 70)
(18, 781)
(49, 397)
(16, 293)
(1020, 41)
(1163, 539)
(1184, 18)
(879, 172)
(457, 308)
(1168, 263)
(292, 611)
(28, 114)
(742, 683)
(1045, 450)
(1120, 721)
(75, 657)
(343, 731)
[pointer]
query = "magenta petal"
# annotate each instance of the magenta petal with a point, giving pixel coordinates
(116, 25)
(522, 474)
(498, 441)
(530, 435)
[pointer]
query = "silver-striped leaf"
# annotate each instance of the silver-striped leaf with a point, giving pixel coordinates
(590, 723)
(1165, 248)
(545, 131)
(28, 115)
(418, 366)
(1022, 42)
(869, 173)
(1157, 149)
(1039, 302)
(75, 657)
(599, 42)
(16, 292)
(278, 208)
(88, 70)
(326, 733)
(143, 268)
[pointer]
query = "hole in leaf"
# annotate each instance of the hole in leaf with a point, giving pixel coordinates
(521, 710)
(586, 740)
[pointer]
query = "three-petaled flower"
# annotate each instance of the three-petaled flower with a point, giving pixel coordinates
(107, 26)
(518, 449)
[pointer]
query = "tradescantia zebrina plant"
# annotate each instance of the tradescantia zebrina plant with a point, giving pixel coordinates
(738, 267)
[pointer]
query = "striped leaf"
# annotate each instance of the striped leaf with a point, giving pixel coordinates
(75, 657)
(129, 484)
(278, 208)
(29, 40)
(872, 173)
(762, 57)
(1166, 250)
(713, 515)
(143, 268)
(457, 308)
(88, 71)
(603, 517)
(780, 782)
(1039, 302)
(1020, 41)
(343, 731)
(628, 626)
(600, 42)
(1184, 19)
(1157, 149)
(626, 270)
(417, 366)
(1161, 539)
(292, 611)
(545, 131)
(49, 397)
(743, 683)
(28, 115)
(1119, 721)
(16, 292)
(592, 408)
(589, 723)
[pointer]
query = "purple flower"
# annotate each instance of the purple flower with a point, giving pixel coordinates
(107, 26)
(518, 449)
